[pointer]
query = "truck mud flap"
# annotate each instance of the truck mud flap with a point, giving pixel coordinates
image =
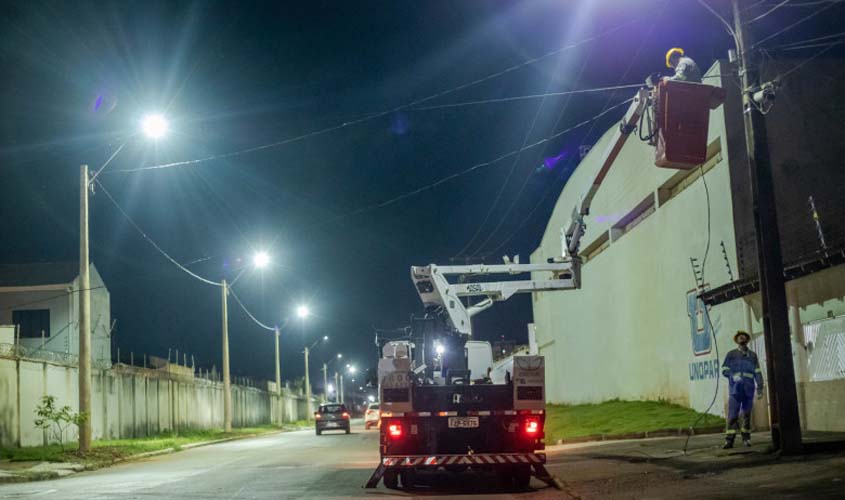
(535, 460)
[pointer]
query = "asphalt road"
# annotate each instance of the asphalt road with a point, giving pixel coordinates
(279, 466)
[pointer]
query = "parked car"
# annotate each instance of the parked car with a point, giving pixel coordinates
(372, 415)
(331, 417)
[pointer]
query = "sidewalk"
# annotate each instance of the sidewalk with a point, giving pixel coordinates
(658, 468)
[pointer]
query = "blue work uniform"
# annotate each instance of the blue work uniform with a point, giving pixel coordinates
(742, 368)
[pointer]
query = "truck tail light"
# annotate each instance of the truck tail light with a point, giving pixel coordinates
(532, 427)
(345, 415)
(317, 416)
(394, 430)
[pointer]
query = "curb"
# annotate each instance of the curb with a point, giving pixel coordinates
(29, 476)
(643, 435)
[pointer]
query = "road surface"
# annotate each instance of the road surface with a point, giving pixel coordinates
(287, 465)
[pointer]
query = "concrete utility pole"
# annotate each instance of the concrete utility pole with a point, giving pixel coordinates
(227, 383)
(325, 383)
(308, 387)
(342, 397)
(84, 316)
(336, 387)
(786, 429)
(278, 378)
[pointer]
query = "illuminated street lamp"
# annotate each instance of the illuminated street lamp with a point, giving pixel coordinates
(154, 126)
(303, 312)
(326, 376)
(261, 259)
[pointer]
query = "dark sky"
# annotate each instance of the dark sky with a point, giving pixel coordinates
(235, 75)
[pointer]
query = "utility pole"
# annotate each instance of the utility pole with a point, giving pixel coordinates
(278, 377)
(308, 387)
(342, 397)
(84, 316)
(786, 429)
(325, 383)
(227, 383)
(336, 388)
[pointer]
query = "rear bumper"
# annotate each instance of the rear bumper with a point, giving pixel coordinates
(478, 459)
(338, 425)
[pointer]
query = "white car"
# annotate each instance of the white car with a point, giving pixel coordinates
(372, 416)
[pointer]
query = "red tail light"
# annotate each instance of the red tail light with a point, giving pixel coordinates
(394, 430)
(318, 416)
(532, 427)
(345, 415)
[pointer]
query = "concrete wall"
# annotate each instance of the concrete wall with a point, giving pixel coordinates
(635, 329)
(131, 402)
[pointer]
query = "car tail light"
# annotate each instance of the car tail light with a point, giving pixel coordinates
(318, 416)
(394, 430)
(532, 427)
(345, 415)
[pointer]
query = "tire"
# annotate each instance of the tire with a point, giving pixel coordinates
(505, 479)
(318, 431)
(391, 480)
(522, 477)
(409, 479)
(348, 430)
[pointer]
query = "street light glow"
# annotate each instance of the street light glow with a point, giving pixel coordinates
(352, 370)
(439, 349)
(330, 388)
(371, 398)
(154, 126)
(261, 259)
(339, 355)
(303, 312)
(325, 337)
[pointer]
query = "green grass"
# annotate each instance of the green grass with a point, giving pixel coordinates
(106, 451)
(616, 417)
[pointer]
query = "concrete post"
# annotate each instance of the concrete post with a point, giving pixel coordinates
(309, 410)
(84, 316)
(227, 383)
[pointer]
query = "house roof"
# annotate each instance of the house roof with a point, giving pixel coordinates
(40, 273)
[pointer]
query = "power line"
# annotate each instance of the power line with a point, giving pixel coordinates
(386, 112)
(514, 165)
(796, 23)
(801, 65)
(150, 241)
(809, 40)
(238, 300)
(473, 168)
(761, 16)
(525, 97)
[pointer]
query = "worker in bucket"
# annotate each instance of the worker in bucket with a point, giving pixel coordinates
(685, 68)
(742, 368)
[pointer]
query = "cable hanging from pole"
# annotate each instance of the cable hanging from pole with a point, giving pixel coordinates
(150, 240)
(253, 318)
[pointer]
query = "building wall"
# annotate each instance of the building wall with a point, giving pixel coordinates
(129, 402)
(64, 317)
(635, 330)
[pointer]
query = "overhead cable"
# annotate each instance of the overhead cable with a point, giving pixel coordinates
(150, 240)
(389, 111)
(796, 23)
(475, 167)
(764, 14)
(253, 318)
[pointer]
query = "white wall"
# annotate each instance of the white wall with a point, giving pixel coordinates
(130, 402)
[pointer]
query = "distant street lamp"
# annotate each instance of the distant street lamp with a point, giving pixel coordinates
(303, 312)
(261, 259)
(326, 373)
(227, 381)
(351, 370)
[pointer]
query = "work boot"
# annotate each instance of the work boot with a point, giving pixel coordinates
(746, 440)
(729, 443)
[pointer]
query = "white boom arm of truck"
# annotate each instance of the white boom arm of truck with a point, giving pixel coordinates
(437, 293)
(574, 230)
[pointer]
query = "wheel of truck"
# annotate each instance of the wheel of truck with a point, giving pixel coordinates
(409, 479)
(391, 479)
(505, 478)
(522, 477)
(348, 430)
(319, 432)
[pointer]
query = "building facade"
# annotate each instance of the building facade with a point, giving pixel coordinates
(657, 238)
(41, 301)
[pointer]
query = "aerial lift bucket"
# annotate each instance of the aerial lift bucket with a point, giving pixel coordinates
(683, 118)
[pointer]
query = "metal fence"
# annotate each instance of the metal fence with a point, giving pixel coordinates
(826, 348)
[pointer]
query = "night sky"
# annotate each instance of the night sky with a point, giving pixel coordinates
(78, 76)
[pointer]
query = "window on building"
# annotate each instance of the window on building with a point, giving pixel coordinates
(32, 322)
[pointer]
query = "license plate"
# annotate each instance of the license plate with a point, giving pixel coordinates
(463, 422)
(331, 424)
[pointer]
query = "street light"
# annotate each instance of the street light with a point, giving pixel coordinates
(261, 259)
(303, 312)
(326, 375)
(154, 126)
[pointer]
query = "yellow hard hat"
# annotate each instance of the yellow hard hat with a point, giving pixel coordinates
(673, 50)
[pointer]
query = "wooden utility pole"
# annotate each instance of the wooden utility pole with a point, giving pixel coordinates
(84, 317)
(786, 429)
(227, 383)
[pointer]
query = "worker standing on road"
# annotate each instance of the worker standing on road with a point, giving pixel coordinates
(685, 68)
(742, 368)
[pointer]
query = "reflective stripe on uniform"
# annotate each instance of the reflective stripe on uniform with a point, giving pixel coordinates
(748, 375)
(757, 370)
(730, 432)
(726, 369)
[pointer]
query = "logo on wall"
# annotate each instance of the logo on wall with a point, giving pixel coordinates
(700, 332)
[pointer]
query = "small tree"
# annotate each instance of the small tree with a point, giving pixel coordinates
(57, 420)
